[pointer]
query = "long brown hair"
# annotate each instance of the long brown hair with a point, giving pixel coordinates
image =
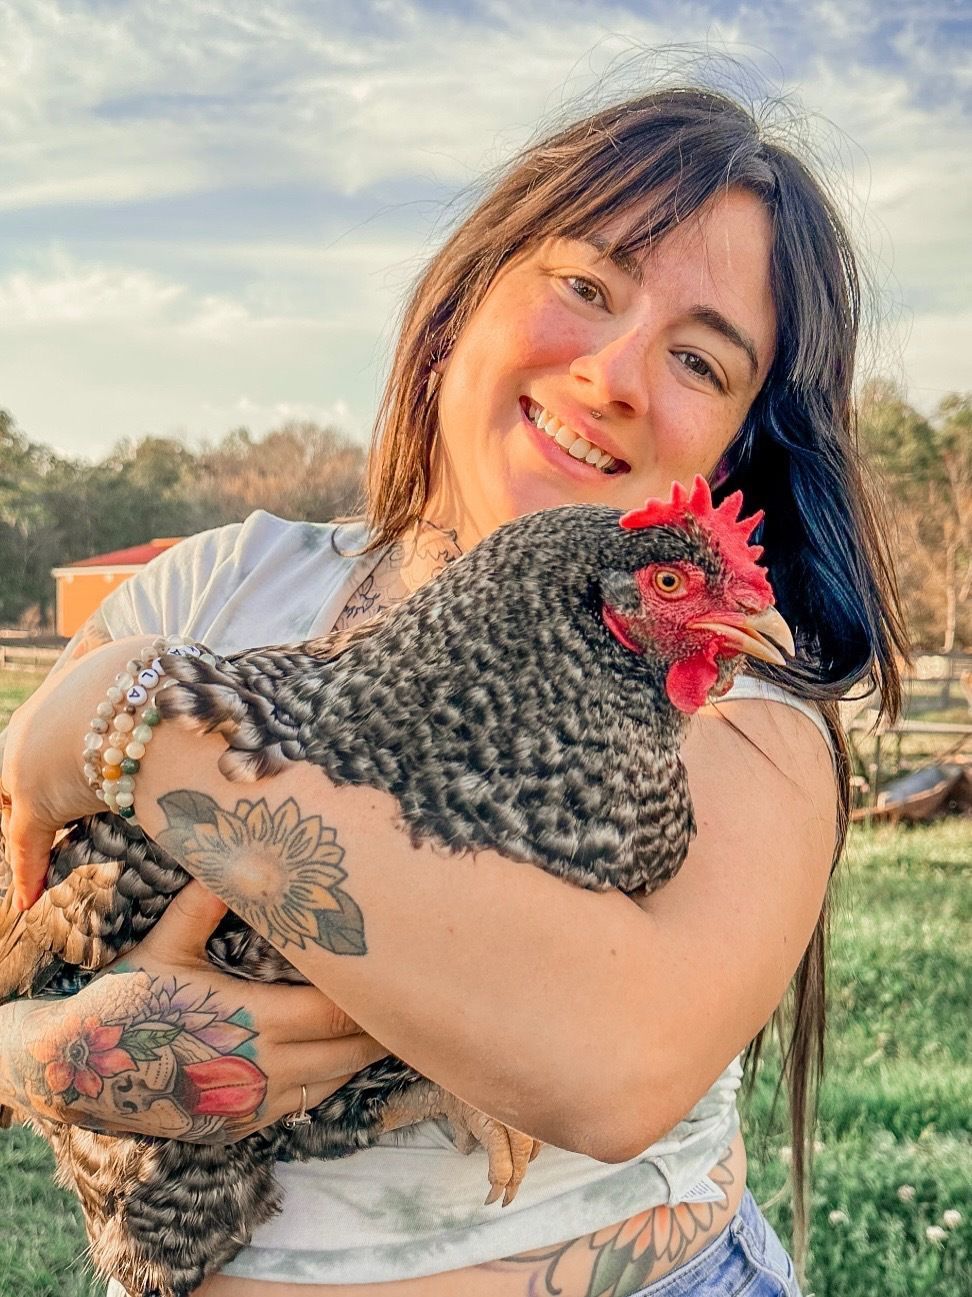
(643, 166)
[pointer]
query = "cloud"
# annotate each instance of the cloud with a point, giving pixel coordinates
(194, 192)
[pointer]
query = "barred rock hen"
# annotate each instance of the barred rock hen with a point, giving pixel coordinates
(530, 700)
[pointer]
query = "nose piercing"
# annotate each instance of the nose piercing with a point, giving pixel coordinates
(596, 414)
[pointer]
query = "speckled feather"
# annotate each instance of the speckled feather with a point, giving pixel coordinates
(501, 713)
(521, 724)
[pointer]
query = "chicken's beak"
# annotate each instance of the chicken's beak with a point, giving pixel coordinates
(757, 634)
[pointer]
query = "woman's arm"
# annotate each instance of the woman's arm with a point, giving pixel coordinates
(165, 1044)
(584, 1019)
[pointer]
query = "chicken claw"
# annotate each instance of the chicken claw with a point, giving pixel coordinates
(509, 1151)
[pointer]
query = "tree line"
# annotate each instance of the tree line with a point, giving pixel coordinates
(55, 510)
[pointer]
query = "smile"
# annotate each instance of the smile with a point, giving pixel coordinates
(569, 441)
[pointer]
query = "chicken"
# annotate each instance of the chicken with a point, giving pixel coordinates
(531, 700)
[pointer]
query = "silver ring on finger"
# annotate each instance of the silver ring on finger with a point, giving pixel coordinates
(302, 1118)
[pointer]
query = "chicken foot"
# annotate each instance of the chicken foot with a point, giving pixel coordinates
(509, 1151)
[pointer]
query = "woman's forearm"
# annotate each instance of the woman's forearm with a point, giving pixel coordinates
(18, 1069)
(508, 987)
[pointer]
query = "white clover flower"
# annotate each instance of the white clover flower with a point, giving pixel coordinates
(838, 1217)
(951, 1218)
(906, 1192)
(935, 1234)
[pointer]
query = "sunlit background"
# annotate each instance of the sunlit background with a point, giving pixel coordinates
(209, 213)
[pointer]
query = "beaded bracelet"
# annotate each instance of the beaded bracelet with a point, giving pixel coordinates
(110, 770)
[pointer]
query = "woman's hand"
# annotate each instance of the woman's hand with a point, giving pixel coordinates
(165, 1044)
(42, 779)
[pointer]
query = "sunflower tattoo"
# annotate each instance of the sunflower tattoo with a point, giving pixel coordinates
(280, 872)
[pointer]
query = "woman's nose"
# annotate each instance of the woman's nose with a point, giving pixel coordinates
(615, 373)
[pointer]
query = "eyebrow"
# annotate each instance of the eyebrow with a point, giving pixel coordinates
(707, 316)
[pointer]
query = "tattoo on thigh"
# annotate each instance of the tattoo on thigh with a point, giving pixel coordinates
(623, 1258)
(160, 1049)
(279, 871)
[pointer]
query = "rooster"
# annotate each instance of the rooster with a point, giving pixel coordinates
(548, 677)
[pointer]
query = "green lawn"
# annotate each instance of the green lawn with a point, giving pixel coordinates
(895, 1108)
(15, 688)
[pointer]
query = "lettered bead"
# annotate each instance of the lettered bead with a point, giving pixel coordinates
(115, 756)
(125, 799)
(134, 750)
(136, 696)
(124, 681)
(130, 766)
(157, 666)
(105, 710)
(111, 772)
(124, 722)
(148, 678)
(142, 734)
(151, 716)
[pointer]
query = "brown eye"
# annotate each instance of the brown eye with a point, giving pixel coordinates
(668, 582)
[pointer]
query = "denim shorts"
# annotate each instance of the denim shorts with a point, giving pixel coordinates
(746, 1259)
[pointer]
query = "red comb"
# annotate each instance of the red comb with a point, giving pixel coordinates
(730, 532)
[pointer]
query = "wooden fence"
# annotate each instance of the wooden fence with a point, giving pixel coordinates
(21, 659)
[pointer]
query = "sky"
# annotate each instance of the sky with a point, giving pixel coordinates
(210, 211)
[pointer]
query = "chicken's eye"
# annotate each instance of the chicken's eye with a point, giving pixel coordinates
(669, 582)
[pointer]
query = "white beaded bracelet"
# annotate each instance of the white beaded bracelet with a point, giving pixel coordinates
(119, 732)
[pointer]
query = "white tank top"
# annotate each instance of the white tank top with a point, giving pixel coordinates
(411, 1205)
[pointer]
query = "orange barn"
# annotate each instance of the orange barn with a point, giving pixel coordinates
(81, 586)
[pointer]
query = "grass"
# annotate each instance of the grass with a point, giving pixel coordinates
(895, 1106)
(894, 1109)
(15, 688)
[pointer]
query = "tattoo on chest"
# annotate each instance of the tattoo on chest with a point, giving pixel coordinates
(156, 1047)
(623, 1258)
(279, 871)
(384, 588)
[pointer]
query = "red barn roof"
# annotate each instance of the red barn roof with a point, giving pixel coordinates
(135, 556)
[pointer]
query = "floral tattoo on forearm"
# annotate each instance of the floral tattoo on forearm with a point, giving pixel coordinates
(623, 1258)
(152, 1046)
(280, 872)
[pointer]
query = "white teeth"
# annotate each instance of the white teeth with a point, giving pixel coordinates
(576, 446)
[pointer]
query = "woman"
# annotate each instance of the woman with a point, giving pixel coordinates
(651, 293)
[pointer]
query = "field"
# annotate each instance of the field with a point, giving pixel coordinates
(895, 1151)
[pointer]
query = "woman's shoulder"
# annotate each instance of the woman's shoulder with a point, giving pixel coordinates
(750, 688)
(268, 565)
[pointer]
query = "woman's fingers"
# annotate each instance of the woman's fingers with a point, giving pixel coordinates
(28, 854)
(187, 924)
(326, 1062)
(306, 1014)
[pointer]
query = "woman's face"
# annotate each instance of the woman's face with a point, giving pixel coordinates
(668, 350)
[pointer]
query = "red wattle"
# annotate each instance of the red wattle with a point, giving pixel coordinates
(688, 682)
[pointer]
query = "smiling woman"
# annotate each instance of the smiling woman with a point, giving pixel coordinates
(657, 291)
(653, 360)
